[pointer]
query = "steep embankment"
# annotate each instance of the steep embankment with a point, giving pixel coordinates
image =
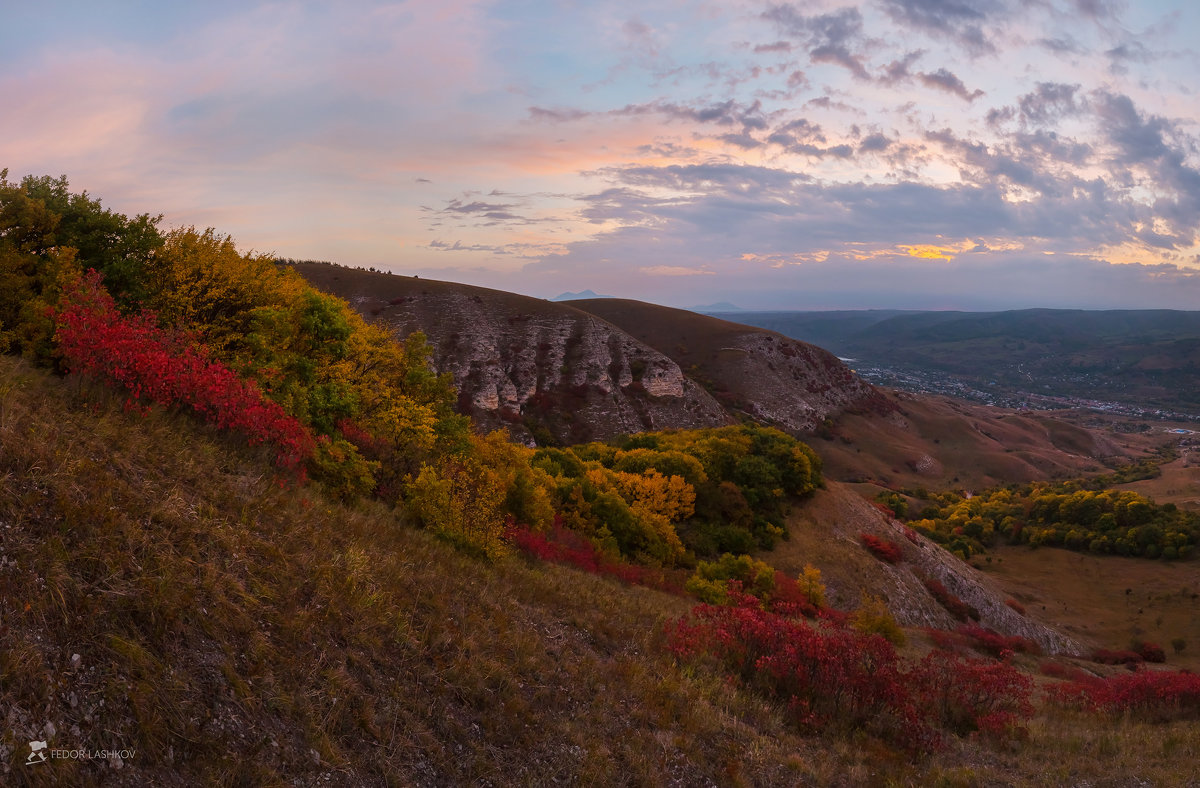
(546, 370)
(826, 532)
(938, 443)
(773, 379)
(165, 596)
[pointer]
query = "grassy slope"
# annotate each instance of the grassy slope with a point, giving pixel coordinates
(939, 443)
(235, 631)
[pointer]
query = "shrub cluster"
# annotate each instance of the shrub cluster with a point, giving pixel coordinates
(999, 646)
(657, 496)
(560, 545)
(1067, 515)
(883, 549)
(135, 354)
(829, 676)
(1105, 656)
(953, 605)
(1149, 694)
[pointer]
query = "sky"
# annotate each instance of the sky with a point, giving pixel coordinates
(918, 154)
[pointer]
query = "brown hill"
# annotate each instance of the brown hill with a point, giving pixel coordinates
(773, 379)
(939, 443)
(595, 368)
(862, 433)
(548, 371)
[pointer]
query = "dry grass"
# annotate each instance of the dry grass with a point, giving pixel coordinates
(233, 632)
(1085, 595)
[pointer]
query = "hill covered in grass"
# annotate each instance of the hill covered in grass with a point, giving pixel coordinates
(165, 594)
(246, 539)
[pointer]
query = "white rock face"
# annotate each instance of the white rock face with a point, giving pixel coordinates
(795, 385)
(512, 365)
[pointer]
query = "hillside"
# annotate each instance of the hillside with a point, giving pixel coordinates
(238, 631)
(1147, 359)
(762, 374)
(245, 538)
(545, 370)
(560, 373)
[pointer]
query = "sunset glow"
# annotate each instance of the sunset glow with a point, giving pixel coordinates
(884, 153)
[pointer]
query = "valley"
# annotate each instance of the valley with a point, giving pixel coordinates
(451, 535)
(1142, 364)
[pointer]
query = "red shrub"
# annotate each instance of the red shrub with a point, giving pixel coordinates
(1152, 652)
(882, 549)
(829, 676)
(153, 366)
(965, 695)
(999, 646)
(826, 676)
(1058, 670)
(1015, 605)
(561, 545)
(789, 600)
(1151, 694)
(954, 606)
(946, 641)
(1106, 657)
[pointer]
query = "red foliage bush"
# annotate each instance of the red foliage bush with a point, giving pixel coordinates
(561, 545)
(1107, 657)
(787, 599)
(883, 507)
(1152, 652)
(829, 676)
(954, 606)
(1058, 670)
(999, 646)
(1151, 694)
(882, 549)
(946, 641)
(153, 366)
(826, 676)
(964, 695)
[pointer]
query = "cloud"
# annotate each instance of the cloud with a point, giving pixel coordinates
(827, 37)
(961, 21)
(943, 79)
(1049, 103)
(674, 270)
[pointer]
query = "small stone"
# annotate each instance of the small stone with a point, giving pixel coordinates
(49, 729)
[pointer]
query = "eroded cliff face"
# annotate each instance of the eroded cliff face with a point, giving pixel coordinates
(548, 373)
(773, 379)
(554, 372)
(790, 384)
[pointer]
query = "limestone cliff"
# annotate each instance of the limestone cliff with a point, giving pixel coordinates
(547, 371)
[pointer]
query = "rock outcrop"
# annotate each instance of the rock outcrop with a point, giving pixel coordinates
(546, 371)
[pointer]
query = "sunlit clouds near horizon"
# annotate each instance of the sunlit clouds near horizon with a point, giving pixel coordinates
(970, 154)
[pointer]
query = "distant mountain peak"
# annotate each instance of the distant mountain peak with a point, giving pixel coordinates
(720, 306)
(578, 296)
